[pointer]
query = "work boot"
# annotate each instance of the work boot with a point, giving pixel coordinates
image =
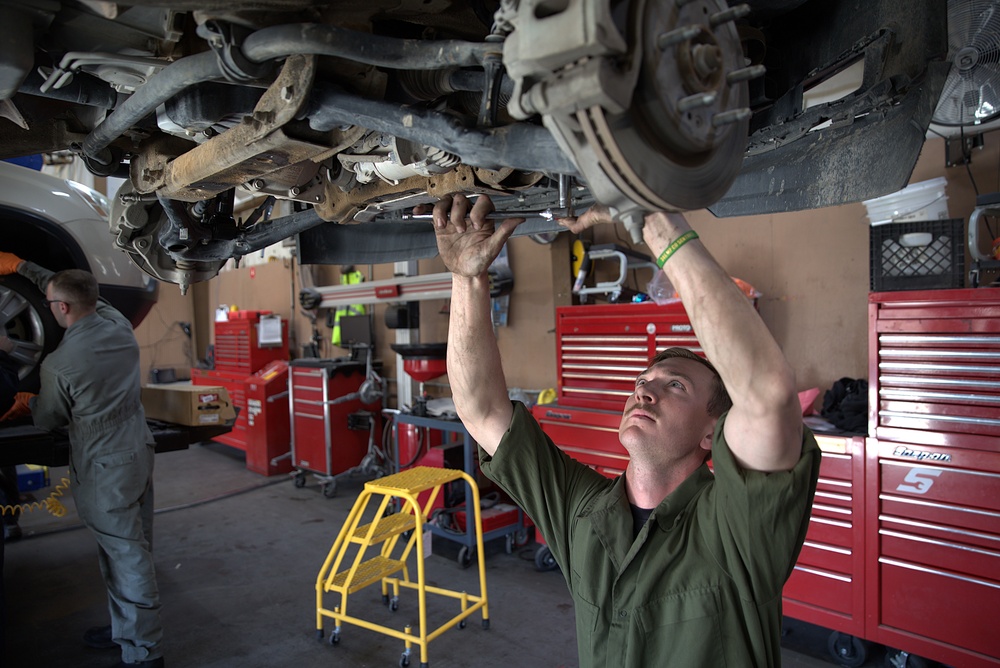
(99, 637)
(151, 663)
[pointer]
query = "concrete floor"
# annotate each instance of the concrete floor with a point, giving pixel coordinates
(237, 556)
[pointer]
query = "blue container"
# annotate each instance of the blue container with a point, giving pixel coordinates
(31, 477)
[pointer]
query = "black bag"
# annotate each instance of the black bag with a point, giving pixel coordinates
(845, 405)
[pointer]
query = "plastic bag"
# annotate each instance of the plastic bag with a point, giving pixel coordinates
(661, 290)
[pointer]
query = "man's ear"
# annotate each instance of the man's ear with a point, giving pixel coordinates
(706, 441)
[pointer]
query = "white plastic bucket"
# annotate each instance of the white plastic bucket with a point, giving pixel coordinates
(925, 200)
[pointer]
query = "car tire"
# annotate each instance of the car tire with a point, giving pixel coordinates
(27, 320)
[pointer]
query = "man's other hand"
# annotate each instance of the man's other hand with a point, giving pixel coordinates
(595, 215)
(21, 407)
(9, 263)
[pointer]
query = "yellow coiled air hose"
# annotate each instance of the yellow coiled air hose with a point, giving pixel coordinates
(50, 503)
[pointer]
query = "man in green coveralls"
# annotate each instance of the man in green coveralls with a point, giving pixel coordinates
(669, 564)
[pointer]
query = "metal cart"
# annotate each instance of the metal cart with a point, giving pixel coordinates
(333, 422)
(455, 428)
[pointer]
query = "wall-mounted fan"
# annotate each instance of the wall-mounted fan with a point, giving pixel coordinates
(971, 94)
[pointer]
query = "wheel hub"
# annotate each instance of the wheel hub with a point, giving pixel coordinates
(682, 142)
(700, 62)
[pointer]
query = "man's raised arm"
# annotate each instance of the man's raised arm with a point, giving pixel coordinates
(474, 368)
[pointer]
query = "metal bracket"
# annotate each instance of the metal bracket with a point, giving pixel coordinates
(391, 290)
(627, 260)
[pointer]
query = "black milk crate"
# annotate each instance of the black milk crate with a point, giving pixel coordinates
(901, 260)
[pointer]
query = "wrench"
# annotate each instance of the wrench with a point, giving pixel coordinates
(546, 214)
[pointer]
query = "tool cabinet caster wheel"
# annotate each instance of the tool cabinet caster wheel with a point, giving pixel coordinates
(847, 650)
(465, 557)
(895, 658)
(508, 545)
(335, 638)
(544, 561)
(300, 480)
(330, 489)
(486, 625)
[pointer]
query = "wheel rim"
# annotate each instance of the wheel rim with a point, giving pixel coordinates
(666, 153)
(22, 323)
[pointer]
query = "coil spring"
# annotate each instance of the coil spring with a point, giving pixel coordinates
(442, 158)
(50, 503)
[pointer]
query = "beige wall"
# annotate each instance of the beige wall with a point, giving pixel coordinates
(162, 342)
(812, 268)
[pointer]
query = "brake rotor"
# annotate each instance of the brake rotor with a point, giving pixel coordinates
(681, 143)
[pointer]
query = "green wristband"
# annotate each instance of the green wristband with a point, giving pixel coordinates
(672, 248)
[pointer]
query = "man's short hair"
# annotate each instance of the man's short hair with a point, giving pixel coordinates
(719, 402)
(76, 286)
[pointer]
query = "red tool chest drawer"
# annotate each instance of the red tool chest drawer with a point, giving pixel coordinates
(934, 551)
(602, 348)
(935, 367)
(827, 585)
(588, 435)
(237, 346)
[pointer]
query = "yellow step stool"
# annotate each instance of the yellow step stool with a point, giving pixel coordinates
(345, 576)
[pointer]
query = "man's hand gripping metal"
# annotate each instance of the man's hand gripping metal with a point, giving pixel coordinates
(468, 239)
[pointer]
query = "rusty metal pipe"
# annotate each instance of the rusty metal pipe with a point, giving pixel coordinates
(273, 43)
(389, 52)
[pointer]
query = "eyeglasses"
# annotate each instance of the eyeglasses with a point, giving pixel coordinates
(50, 302)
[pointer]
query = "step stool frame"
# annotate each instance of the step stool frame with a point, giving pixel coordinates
(386, 530)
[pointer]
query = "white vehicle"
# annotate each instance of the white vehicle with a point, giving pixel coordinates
(358, 110)
(59, 225)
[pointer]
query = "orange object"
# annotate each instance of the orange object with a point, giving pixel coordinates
(9, 263)
(996, 248)
(747, 289)
(21, 407)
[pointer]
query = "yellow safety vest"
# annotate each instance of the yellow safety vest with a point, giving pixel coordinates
(349, 278)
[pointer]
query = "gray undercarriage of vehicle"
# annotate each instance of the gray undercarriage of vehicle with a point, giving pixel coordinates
(358, 111)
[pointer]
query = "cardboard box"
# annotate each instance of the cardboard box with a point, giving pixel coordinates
(192, 405)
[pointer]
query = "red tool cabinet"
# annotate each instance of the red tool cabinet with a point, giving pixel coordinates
(601, 349)
(261, 428)
(933, 517)
(827, 585)
(268, 435)
(934, 552)
(322, 397)
(237, 343)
